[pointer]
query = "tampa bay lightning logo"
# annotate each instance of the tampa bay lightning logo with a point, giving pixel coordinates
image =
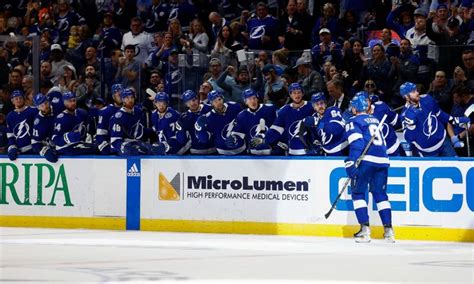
(173, 14)
(257, 32)
(176, 77)
(294, 128)
(63, 24)
(137, 130)
(259, 128)
(81, 128)
(324, 138)
(21, 129)
(430, 125)
(385, 130)
(227, 130)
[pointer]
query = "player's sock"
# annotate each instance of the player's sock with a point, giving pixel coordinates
(384, 208)
(360, 207)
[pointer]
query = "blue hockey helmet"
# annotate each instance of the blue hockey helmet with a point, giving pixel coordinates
(69, 96)
(374, 98)
(295, 86)
(363, 93)
(39, 99)
(247, 93)
(116, 88)
(318, 97)
(406, 88)
(162, 97)
(214, 95)
(127, 93)
(360, 102)
(17, 93)
(189, 95)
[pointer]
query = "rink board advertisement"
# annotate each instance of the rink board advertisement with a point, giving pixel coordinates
(423, 193)
(69, 193)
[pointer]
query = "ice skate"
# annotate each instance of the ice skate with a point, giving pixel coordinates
(363, 236)
(388, 234)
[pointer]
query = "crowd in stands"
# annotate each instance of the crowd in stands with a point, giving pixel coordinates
(150, 47)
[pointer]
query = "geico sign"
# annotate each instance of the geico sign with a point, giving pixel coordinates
(419, 196)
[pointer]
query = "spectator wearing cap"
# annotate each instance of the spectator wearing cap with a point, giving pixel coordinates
(326, 50)
(110, 36)
(442, 16)
(405, 20)
(450, 43)
(215, 71)
(309, 79)
(90, 89)
(137, 37)
(240, 83)
(262, 30)
(57, 60)
(328, 20)
(225, 47)
(67, 77)
(291, 29)
(417, 34)
(128, 69)
(275, 90)
(377, 68)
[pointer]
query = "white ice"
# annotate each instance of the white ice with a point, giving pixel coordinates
(56, 255)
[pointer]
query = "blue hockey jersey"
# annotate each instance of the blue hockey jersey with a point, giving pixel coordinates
(43, 130)
(20, 128)
(166, 127)
(219, 126)
(330, 132)
(249, 123)
(392, 122)
(359, 131)
(102, 137)
(257, 28)
(428, 133)
(126, 126)
(188, 119)
(66, 123)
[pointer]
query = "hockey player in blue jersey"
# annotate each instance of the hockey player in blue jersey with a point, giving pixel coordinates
(372, 172)
(127, 129)
(43, 128)
(102, 137)
(424, 124)
(166, 124)
(188, 120)
(327, 127)
(392, 122)
(19, 126)
(55, 97)
(251, 122)
(217, 124)
(284, 132)
(71, 129)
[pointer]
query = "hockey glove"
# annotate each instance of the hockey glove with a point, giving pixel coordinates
(457, 143)
(159, 148)
(311, 121)
(50, 155)
(231, 141)
(461, 121)
(72, 137)
(351, 170)
(410, 117)
(12, 153)
(201, 122)
(256, 141)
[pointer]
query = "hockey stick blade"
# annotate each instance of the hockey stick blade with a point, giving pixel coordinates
(357, 163)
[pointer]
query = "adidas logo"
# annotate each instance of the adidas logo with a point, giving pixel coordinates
(133, 171)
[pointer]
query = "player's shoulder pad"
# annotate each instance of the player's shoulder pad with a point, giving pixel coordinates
(61, 115)
(118, 114)
(37, 121)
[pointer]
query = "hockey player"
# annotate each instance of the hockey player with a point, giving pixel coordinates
(188, 120)
(378, 109)
(102, 137)
(126, 129)
(372, 172)
(217, 124)
(19, 126)
(424, 124)
(326, 126)
(253, 121)
(166, 125)
(285, 129)
(71, 129)
(55, 97)
(43, 128)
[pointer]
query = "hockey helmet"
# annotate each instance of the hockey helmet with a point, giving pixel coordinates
(162, 97)
(359, 102)
(406, 88)
(39, 99)
(317, 97)
(295, 86)
(189, 95)
(247, 93)
(214, 95)
(17, 93)
(127, 93)
(116, 88)
(69, 96)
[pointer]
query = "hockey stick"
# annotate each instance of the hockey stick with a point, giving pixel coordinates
(357, 163)
(468, 113)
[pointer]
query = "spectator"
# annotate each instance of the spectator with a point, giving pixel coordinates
(326, 21)
(57, 60)
(204, 89)
(160, 55)
(306, 18)
(183, 11)
(88, 90)
(157, 16)
(111, 67)
(337, 97)
(465, 75)
(427, 66)
(136, 36)
(14, 82)
(27, 85)
(417, 34)
(404, 67)
(174, 28)
(326, 50)
(240, 83)
(442, 16)
(403, 13)
(353, 60)
(65, 19)
(215, 70)
(280, 59)
(348, 25)
(226, 47)
(371, 89)
(67, 77)
(262, 30)
(129, 67)
(378, 69)
(90, 59)
(309, 79)
(440, 90)
(217, 22)
(291, 28)
(197, 42)
(44, 49)
(463, 99)
(110, 36)
(275, 89)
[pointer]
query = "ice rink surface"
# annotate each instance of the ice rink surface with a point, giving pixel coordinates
(56, 255)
